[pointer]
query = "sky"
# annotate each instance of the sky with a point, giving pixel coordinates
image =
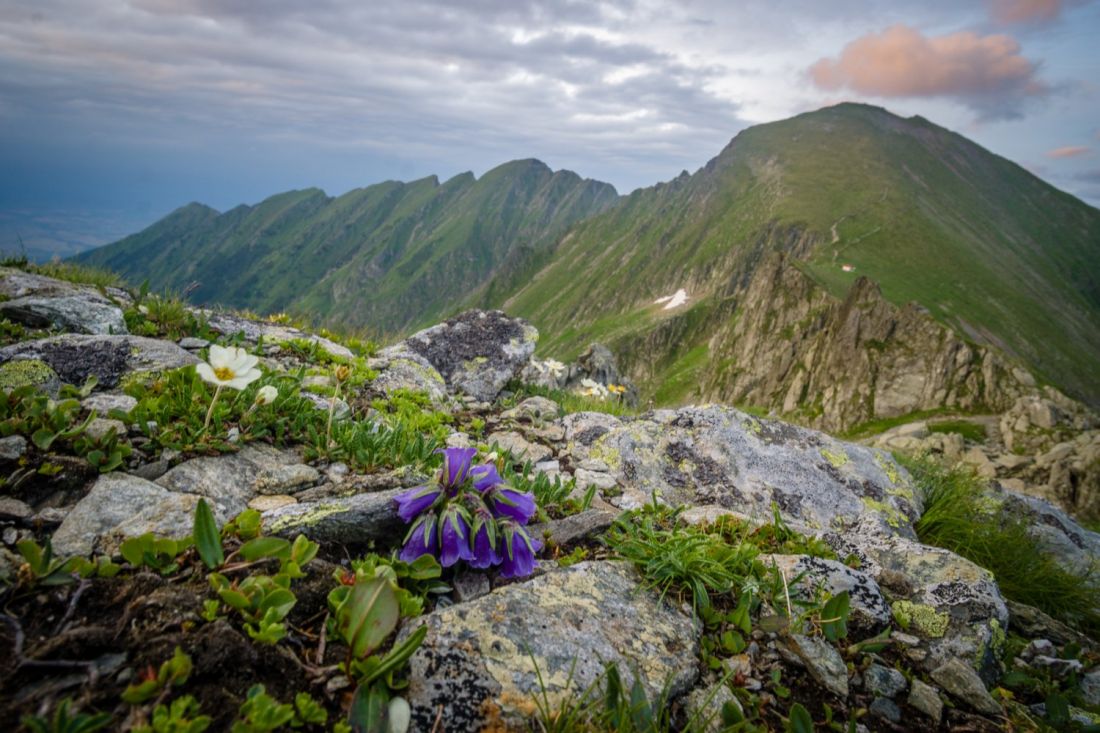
(131, 108)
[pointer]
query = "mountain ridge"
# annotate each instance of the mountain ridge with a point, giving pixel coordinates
(993, 254)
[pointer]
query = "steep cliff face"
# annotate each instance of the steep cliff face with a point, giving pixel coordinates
(837, 363)
(781, 342)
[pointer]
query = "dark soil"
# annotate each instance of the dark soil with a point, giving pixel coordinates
(89, 641)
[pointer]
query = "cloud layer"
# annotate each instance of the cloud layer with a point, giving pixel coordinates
(1013, 12)
(1069, 151)
(987, 73)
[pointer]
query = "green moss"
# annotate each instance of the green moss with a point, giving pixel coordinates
(24, 372)
(835, 458)
(920, 618)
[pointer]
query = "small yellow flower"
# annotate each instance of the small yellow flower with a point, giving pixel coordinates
(342, 373)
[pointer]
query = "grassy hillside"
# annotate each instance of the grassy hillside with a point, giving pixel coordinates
(985, 246)
(387, 257)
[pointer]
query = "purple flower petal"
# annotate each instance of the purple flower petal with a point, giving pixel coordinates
(454, 537)
(507, 502)
(485, 476)
(414, 501)
(485, 541)
(519, 552)
(456, 466)
(421, 539)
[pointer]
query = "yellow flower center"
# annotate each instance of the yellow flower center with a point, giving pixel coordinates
(224, 373)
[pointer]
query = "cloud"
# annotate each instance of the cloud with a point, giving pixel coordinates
(1020, 12)
(1069, 151)
(1092, 176)
(987, 73)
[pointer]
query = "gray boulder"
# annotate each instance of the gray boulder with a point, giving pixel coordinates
(478, 659)
(401, 369)
(41, 302)
(719, 455)
(75, 357)
(869, 611)
(119, 506)
(476, 352)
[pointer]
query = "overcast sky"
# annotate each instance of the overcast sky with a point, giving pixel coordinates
(144, 105)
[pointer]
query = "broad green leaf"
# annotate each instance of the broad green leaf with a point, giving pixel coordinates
(207, 539)
(265, 547)
(368, 616)
(800, 720)
(369, 709)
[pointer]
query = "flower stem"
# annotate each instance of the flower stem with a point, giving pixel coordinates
(331, 410)
(210, 411)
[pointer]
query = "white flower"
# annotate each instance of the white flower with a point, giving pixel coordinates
(266, 395)
(229, 367)
(593, 388)
(555, 367)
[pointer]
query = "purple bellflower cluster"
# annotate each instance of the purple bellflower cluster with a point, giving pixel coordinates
(470, 514)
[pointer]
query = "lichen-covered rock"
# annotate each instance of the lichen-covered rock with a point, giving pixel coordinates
(357, 519)
(1074, 547)
(75, 357)
(476, 352)
(120, 505)
(12, 448)
(869, 611)
(29, 373)
(926, 699)
(719, 455)
(522, 450)
(401, 369)
(235, 478)
(951, 604)
(478, 659)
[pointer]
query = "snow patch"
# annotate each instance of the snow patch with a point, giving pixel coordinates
(673, 301)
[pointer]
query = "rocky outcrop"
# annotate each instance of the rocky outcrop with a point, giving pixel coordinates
(834, 364)
(476, 352)
(43, 302)
(73, 358)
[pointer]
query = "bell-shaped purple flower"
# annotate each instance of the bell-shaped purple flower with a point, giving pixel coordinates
(504, 501)
(421, 539)
(414, 501)
(485, 476)
(486, 540)
(456, 467)
(454, 536)
(518, 555)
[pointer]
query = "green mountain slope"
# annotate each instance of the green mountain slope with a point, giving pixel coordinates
(388, 257)
(996, 254)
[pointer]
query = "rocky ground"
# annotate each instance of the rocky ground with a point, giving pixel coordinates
(736, 573)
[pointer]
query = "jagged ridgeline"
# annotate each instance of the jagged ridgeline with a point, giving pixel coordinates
(798, 249)
(387, 257)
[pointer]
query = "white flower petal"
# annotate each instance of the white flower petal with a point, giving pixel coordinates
(206, 373)
(218, 357)
(240, 381)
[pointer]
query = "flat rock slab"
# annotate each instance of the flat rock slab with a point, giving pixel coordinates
(476, 352)
(120, 505)
(228, 324)
(478, 659)
(75, 357)
(357, 519)
(80, 313)
(233, 480)
(719, 455)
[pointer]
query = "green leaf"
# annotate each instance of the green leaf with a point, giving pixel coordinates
(369, 709)
(368, 616)
(43, 438)
(800, 720)
(280, 601)
(235, 599)
(640, 710)
(133, 549)
(834, 617)
(33, 553)
(207, 539)
(265, 547)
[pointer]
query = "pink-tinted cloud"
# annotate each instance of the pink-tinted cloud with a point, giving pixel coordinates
(1010, 12)
(985, 72)
(1069, 151)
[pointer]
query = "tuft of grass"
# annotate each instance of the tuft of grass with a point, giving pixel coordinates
(80, 274)
(569, 402)
(972, 432)
(960, 517)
